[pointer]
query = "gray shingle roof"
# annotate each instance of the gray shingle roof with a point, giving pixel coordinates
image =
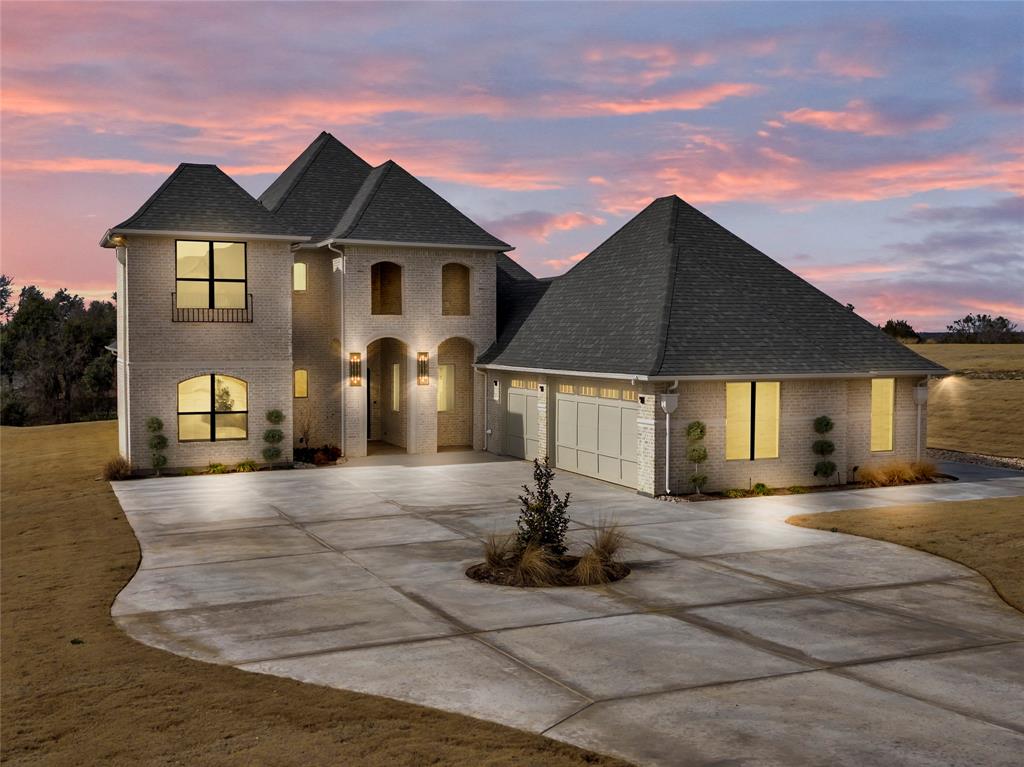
(673, 293)
(394, 206)
(203, 198)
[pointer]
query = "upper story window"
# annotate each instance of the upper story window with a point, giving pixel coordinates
(301, 384)
(883, 400)
(385, 288)
(212, 408)
(454, 289)
(751, 420)
(210, 275)
(299, 277)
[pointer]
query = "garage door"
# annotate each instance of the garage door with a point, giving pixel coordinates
(595, 432)
(521, 421)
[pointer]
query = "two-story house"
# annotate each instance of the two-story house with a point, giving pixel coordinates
(370, 311)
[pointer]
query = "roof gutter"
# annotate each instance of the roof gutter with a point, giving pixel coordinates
(111, 237)
(729, 377)
(392, 243)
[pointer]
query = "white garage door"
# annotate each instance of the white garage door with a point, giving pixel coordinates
(521, 422)
(596, 435)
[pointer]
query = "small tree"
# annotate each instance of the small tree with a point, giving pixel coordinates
(900, 329)
(696, 453)
(543, 516)
(273, 436)
(823, 448)
(157, 443)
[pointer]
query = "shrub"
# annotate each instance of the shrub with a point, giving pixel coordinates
(271, 453)
(824, 469)
(797, 489)
(761, 489)
(735, 493)
(158, 442)
(895, 473)
(498, 549)
(275, 417)
(923, 470)
(823, 424)
(159, 461)
(117, 468)
(273, 436)
(823, 447)
(900, 472)
(246, 466)
(543, 516)
(696, 453)
(873, 476)
(535, 567)
(216, 468)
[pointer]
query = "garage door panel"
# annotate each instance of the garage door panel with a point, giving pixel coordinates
(586, 463)
(565, 458)
(521, 433)
(596, 437)
(566, 423)
(628, 421)
(629, 473)
(586, 426)
(609, 429)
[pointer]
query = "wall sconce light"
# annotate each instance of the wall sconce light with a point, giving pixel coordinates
(497, 391)
(355, 369)
(422, 368)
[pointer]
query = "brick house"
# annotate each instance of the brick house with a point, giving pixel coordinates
(375, 315)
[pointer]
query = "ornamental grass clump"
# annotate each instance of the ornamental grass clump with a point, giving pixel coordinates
(897, 473)
(117, 469)
(536, 555)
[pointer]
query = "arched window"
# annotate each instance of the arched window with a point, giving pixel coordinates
(385, 288)
(213, 408)
(299, 276)
(454, 289)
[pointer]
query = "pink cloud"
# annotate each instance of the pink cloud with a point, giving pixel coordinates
(683, 100)
(539, 225)
(563, 263)
(849, 66)
(842, 272)
(859, 117)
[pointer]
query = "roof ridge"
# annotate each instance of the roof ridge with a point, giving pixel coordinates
(670, 290)
(387, 165)
(322, 138)
(153, 197)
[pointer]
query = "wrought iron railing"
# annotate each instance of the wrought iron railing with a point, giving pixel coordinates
(191, 314)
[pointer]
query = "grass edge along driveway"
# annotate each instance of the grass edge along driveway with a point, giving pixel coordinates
(76, 690)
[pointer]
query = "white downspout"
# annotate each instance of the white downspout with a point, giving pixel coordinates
(920, 399)
(486, 397)
(669, 402)
(343, 361)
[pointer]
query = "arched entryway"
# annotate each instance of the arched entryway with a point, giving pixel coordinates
(455, 394)
(387, 395)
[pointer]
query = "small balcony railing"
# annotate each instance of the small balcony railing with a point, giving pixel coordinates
(187, 314)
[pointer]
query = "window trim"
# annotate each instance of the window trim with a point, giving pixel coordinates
(753, 423)
(212, 412)
(211, 279)
(295, 383)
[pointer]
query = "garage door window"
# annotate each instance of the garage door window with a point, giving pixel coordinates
(751, 420)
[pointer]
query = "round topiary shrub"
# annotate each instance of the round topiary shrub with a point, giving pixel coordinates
(696, 431)
(823, 424)
(158, 442)
(696, 453)
(159, 459)
(271, 453)
(275, 416)
(273, 436)
(824, 469)
(154, 425)
(698, 481)
(823, 447)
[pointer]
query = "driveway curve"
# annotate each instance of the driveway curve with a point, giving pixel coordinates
(737, 639)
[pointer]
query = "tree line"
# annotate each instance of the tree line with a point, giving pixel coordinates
(972, 329)
(54, 367)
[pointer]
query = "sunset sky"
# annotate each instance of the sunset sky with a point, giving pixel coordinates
(877, 150)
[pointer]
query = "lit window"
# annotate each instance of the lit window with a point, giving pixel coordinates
(213, 407)
(883, 396)
(609, 393)
(588, 391)
(751, 420)
(445, 388)
(396, 387)
(454, 289)
(629, 395)
(301, 383)
(566, 389)
(522, 383)
(210, 275)
(298, 276)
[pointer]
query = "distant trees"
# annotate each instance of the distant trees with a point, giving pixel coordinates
(53, 364)
(983, 329)
(900, 329)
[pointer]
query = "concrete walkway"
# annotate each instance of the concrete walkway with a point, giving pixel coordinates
(738, 639)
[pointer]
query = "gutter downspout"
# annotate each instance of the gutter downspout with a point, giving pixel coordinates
(920, 399)
(344, 409)
(669, 402)
(486, 430)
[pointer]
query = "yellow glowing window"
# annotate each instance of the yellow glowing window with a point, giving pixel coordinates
(212, 407)
(883, 396)
(301, 383)
(566, 389)
(523, 383)
(588, 391)
(751, 420)
(609, 393)
(210, 275)
(299, 276)
(629, 395)
(396, 387)
(445, 388)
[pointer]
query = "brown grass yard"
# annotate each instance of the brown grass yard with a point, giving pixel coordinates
(67, 550)
(987, 535)
(973, 414)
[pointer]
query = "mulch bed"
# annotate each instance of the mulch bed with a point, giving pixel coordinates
(505, 576)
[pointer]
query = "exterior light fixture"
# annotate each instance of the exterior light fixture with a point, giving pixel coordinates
(497, 391)
(355, 369)
(422, 368)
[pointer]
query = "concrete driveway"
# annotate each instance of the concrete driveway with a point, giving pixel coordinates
(738, 639)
